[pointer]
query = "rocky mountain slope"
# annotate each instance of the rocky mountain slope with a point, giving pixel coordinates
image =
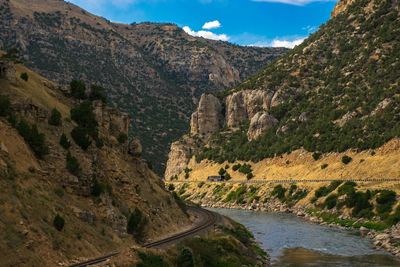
(73, 187)
(155, 72)
(338, 90)
(59, 201)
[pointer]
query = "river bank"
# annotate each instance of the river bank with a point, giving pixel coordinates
(388, 239)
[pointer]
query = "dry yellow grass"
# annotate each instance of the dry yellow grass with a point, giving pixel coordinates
(300, 165)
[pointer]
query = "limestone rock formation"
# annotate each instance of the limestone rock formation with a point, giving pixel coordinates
(111, 119)
(207, 119)
(179, 156)
(244, 105)
(260, 124)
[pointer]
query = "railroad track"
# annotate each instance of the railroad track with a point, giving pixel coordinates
(288, 181)
(208, 220)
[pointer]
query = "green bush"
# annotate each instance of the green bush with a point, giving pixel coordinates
(385, 201)
(245, 169)
(78, 89)
(222, 172)
(316, 155)
(135, 223)
(236, 167)
(55, 117)
(24, 76)
(347, 188)
(64, 142)
(81, 137)
(185, 258)
(72, 164)
(346, 159)
(58, 222)
(97, 188)
(97, 93)
(249, 176)
(151, 260)
(122, 138)
(394, 218)
(330, 201)
(171, 187)
(5, 106)
(35, 139)
(84, 116)
(279, 192)
(324, 166)
(227, 176)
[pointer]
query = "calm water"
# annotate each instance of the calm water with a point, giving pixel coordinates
(292, 241)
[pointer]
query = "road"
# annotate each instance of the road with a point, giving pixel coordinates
(289, 181)
(207, 220)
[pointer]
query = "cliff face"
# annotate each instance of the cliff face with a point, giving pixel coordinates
(140, 65)
(341, 6)
(206, 120)
(93, 191)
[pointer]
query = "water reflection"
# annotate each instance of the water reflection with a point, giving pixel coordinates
(292, 241)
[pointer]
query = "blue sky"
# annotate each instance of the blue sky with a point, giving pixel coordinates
(244, 22)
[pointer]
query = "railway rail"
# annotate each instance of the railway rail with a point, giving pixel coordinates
(289, 181)
(208, 219)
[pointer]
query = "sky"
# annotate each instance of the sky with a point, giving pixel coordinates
(276, 23)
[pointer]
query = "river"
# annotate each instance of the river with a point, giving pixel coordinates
(293, 241)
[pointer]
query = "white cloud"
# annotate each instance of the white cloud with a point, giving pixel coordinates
(212, 25)
(280, 43)
(206, 34)
(294, 2)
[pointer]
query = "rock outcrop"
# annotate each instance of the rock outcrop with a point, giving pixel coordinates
(243, 105)
(111, 119)
(341, 6)
(260, 124)
(207, 118)
(179, 156)
(7, 70)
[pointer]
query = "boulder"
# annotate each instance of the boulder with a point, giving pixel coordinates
(260, 124)
(135, 147)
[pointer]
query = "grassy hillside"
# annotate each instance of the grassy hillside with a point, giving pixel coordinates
(338, 90)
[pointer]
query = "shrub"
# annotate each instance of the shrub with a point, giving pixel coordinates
(394, 218)
(135, 222)
(78, 89)
(97, 93)
(5, 106)
(321, 192)
(236, 167)
(222, 171)
(58, 222)
(245, 169)
(84, 116)
(361, 204)
(171, 187)
(73, 165)
(385, 201)
(64, 142)
(24, 76)
(185, 258)
(347, 188)
(151, 260)
(55, 117)
(330, 201)
(316, 155)
(227, 166)
(35, 139)
(81, 137)
(279, 192)
(324, 166)
(97, 188)
(249, 176)
(122, 138)
(346, 159)
(227, 176)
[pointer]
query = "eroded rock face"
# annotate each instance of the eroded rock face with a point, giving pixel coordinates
(243, 105)
(135, 147)
(179, 156)
(260, 124)
(207, 118)
(110, 119)
(341, 6)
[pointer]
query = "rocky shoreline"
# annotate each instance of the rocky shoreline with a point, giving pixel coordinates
(388, 240)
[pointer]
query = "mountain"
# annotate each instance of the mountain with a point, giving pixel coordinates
(72, 187)
(155, 72)
(338, 90)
